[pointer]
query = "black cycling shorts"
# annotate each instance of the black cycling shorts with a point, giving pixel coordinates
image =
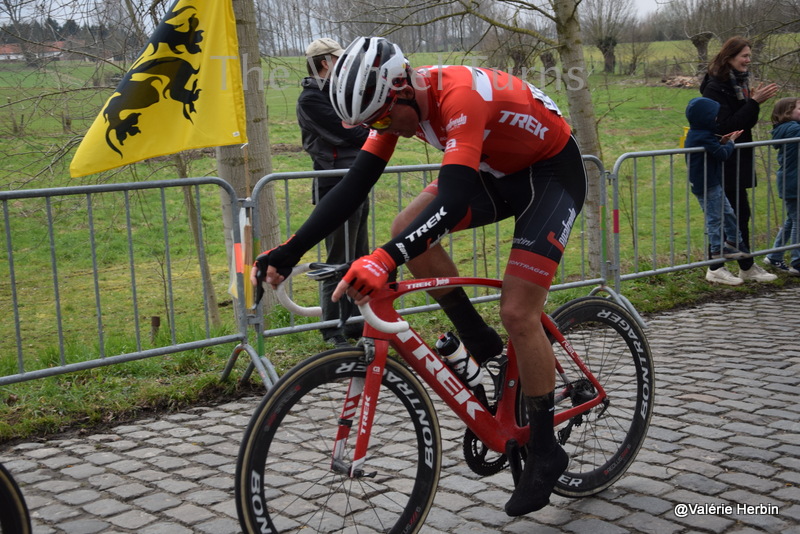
(544, 200)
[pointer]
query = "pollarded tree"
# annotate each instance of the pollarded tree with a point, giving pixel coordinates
(603, 23)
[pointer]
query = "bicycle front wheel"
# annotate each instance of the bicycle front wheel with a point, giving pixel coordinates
(285, 481)
(603, 442)
(14, 517)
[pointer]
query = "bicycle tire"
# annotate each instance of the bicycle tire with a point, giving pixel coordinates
(284, 481)
(613, 346)
(15, 518)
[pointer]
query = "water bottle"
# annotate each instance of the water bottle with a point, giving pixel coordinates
(458, 359)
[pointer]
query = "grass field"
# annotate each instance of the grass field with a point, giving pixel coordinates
(43, 112)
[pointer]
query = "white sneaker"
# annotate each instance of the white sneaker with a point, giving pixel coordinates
(757, 273)
(723, 276)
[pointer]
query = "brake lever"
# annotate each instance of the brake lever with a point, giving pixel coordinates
(322, 271)
(346, 306)
(259, 295)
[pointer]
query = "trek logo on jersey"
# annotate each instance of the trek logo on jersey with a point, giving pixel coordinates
(529, 123)
(429, 224)
(455, 122)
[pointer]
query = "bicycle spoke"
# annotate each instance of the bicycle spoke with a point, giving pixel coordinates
(603, 441)
(301, 492)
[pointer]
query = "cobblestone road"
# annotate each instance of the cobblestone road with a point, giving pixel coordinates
(723, 452)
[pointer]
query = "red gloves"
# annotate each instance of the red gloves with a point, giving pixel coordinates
(370, 273)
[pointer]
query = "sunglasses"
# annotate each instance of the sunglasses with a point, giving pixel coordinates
(384, 120)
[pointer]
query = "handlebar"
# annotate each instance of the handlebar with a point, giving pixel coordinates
(288, 303)
(319, 271)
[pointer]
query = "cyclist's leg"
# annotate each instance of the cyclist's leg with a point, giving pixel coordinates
(546, 200)
(521, 306)
(480, 339)
(340, 246)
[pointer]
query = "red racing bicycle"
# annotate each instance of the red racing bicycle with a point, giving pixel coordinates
(350, 438)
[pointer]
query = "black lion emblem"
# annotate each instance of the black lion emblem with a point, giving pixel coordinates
(164, 77)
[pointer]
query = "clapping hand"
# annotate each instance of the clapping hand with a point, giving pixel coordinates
(762, 93)
(731, 136)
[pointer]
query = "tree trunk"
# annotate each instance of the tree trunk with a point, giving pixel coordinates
(609, 60)
(548, 61)
(243, 166)
(582, 117)
(700, 42)
(191, 213)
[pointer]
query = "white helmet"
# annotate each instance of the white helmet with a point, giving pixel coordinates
(365, 78)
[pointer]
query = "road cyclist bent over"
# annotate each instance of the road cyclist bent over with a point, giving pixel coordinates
(508, 152)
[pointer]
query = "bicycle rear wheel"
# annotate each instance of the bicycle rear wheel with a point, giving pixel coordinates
(284, 478)
(14, 516)
(603, 442)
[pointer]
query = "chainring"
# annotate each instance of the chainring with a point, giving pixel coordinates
(481, 459)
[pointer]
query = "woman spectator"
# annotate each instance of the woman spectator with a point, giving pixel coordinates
(727, 82)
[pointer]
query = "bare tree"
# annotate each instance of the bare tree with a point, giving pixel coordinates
(603, 23)
(565, 17)
(243, 166)
(107, 37)
(636, 48)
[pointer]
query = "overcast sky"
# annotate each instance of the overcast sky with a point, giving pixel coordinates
(644, 7)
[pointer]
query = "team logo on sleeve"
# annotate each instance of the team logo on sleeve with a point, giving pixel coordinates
(456, 122)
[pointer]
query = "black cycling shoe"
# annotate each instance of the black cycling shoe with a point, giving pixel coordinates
(537, 481)
(483, 344)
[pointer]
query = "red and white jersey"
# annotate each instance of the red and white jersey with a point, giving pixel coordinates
(484, 119)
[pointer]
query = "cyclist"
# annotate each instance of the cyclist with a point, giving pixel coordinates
(507, 152)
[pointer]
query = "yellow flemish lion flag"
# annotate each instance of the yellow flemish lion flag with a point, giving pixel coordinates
(184, 91)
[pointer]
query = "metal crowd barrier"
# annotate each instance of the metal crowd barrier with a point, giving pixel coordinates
(129, 273)
(143, 298)
(664, 224)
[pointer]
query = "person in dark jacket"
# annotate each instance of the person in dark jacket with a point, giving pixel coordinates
(786, 125)
(331, 146)
(705, 177)
(727, 82)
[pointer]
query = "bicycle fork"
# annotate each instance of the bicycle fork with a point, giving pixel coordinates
(361, 392)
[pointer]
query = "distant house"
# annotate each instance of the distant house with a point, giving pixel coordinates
(14, 52)
(11, 52)
(52, 50)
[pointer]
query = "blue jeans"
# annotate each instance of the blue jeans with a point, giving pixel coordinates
(789, 234)
(720, 219)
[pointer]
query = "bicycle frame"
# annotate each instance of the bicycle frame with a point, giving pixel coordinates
(496, 431)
